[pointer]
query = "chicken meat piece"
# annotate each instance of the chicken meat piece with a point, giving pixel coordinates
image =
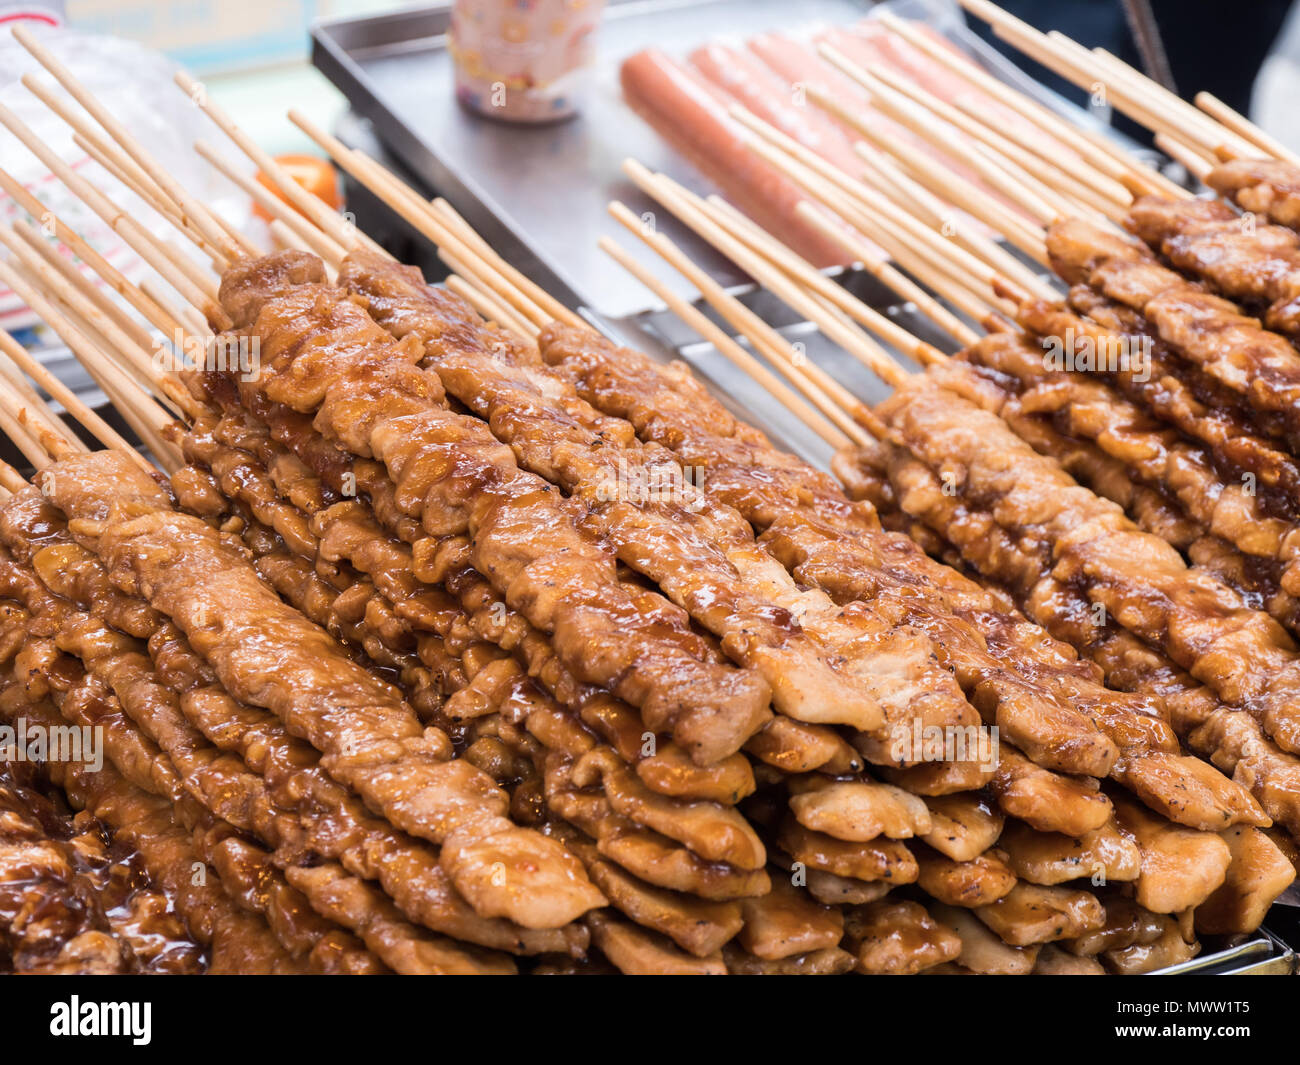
(1048, 858)
(878, 859)
(981, 950)
(977, 882)
(1180, 867)
(786, 922)
(1053, 961)
(1170, 949)
(898, 938)
(636, 952)
(962, 826)
(1258, 873)
(858, 810)
(831, 961)
(1030, 913)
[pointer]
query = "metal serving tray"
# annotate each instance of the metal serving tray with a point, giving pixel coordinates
(1263, 955)
(539, 194)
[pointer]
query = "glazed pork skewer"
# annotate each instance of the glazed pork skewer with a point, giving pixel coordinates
(133, 693)
(1278, 868)
(696, 922)
(128, 808)
(422, 905)
(692, 397)
(421, 753)
(1227, 507)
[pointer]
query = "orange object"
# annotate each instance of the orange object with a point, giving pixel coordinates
(314, 174)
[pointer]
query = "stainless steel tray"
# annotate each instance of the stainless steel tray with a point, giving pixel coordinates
(539, 193)
(1262, 955)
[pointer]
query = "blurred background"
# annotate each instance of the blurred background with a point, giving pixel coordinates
(1246, 52)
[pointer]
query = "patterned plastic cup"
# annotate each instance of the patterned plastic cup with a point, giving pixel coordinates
(522, 60)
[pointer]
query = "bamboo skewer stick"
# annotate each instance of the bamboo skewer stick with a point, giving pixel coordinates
(915, 199)
(19, 383)
(1089, 185)
(121, 166)
(10, 479)
(784, 153)
(762, 336)
(475, 271)
(17, 424)
(831, 192)
(147, 419)
(457, 244)
(1131, 91)
(853, 340)
(957, 295)
(17, 362)
(421, 214)
(1245, 128)
(762, 241)
(192, 285)
(1106, 158)
(737, 226)
(1170, 107)
(87, 314)
(112, 369)
(115, 160)
(154, 312)
(726, 346)
(191, 207)
(284, 237)
(1191, 159)
(121, 319)
(38, 373)
(844, 409)
(880, 268)
(314, 208)
(997, 286)
(76, 293)
(490, 308)
(553, 307)
(944, 183)
(926, 125)
(968, 197)
(895, 188)
(165, 210)
(1065, 189)
(525, 328)
(187, 322)
(315, 239)
(168, 212)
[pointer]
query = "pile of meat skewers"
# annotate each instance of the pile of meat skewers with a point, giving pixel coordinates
(396, 652)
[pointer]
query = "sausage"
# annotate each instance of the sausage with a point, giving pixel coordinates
(871, 43)
(773, 98)
(798, 61)
(692, 116)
